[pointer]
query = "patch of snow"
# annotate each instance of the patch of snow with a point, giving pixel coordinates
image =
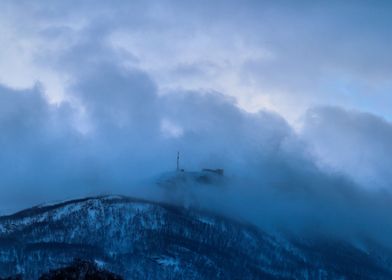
(113, 197)
(169, 261)
(250, 238)
(206, 220)
(361, 246)
(99, 263)
(61, 212)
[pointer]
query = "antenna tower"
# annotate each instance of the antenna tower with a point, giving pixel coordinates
(178, 161)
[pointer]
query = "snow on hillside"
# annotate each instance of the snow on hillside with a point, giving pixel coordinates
(140, 239)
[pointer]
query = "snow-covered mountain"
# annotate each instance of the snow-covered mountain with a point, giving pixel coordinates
(140, 239)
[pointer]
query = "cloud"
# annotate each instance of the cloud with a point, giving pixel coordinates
(351, 142)
(274, 180)
(33, 142)
(49, 154)
(281, 56)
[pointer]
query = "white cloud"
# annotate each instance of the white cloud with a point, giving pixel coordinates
(170, 129)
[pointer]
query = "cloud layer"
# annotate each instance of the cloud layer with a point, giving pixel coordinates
(281, 56)
(127, 133)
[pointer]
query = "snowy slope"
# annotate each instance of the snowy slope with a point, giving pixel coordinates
(147, 240)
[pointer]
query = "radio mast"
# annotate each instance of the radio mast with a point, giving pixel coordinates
(178, 161)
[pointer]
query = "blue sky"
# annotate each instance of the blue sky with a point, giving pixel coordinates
(97, 96)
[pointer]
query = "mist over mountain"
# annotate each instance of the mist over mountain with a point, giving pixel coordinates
(290, 100)
(275, 177)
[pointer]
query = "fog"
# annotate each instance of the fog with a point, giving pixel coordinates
(125, 134)
(99, 100)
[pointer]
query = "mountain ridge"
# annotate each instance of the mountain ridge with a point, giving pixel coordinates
(141, 239)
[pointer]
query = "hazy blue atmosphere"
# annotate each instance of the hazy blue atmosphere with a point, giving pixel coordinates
(291, 98)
